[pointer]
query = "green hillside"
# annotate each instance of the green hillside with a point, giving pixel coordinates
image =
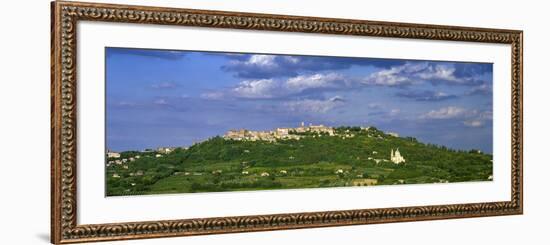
(352, 157)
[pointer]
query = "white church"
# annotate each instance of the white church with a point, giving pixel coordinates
(396, 157)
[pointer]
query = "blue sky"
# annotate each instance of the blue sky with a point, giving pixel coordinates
(174, 98)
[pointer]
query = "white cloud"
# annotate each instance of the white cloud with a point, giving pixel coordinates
(160, 102)
(273, 88)
(425, 95)
(445, 113)
(445, 73)
(394, 112)
(374, 105)
(261, 60)
(304, 82)
(388, 77)
(292, 59)
(486, 115)
(211, 95)
(163, 85)
(403, 75)
(261, 88)
(482, 89)
(416, 73)
(475, 123)
(396, 75)
(314, 106)
(126, 104)
(337, 98)
(469, 118)
(438, 72)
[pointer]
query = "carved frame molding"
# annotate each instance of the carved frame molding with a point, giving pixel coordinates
(65, 16)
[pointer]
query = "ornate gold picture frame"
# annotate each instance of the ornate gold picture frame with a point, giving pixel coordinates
(64, 107)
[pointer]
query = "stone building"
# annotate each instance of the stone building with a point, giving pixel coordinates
(165, 150)
(236, 134)
(396, 157)
(112, 154)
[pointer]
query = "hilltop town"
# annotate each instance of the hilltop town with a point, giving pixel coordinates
(295, 157)
(295, 133)
(285, 133)
(304, 131)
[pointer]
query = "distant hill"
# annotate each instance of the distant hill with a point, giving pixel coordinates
(351, 156)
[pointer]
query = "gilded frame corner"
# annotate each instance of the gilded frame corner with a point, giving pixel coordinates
(65, 16)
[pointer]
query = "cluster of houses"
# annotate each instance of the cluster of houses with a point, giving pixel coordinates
(115, 157)
(278, 133)
(265, 174)
(165, 150)
(119, 161)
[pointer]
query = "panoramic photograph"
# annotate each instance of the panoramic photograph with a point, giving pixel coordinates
(182, 121)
